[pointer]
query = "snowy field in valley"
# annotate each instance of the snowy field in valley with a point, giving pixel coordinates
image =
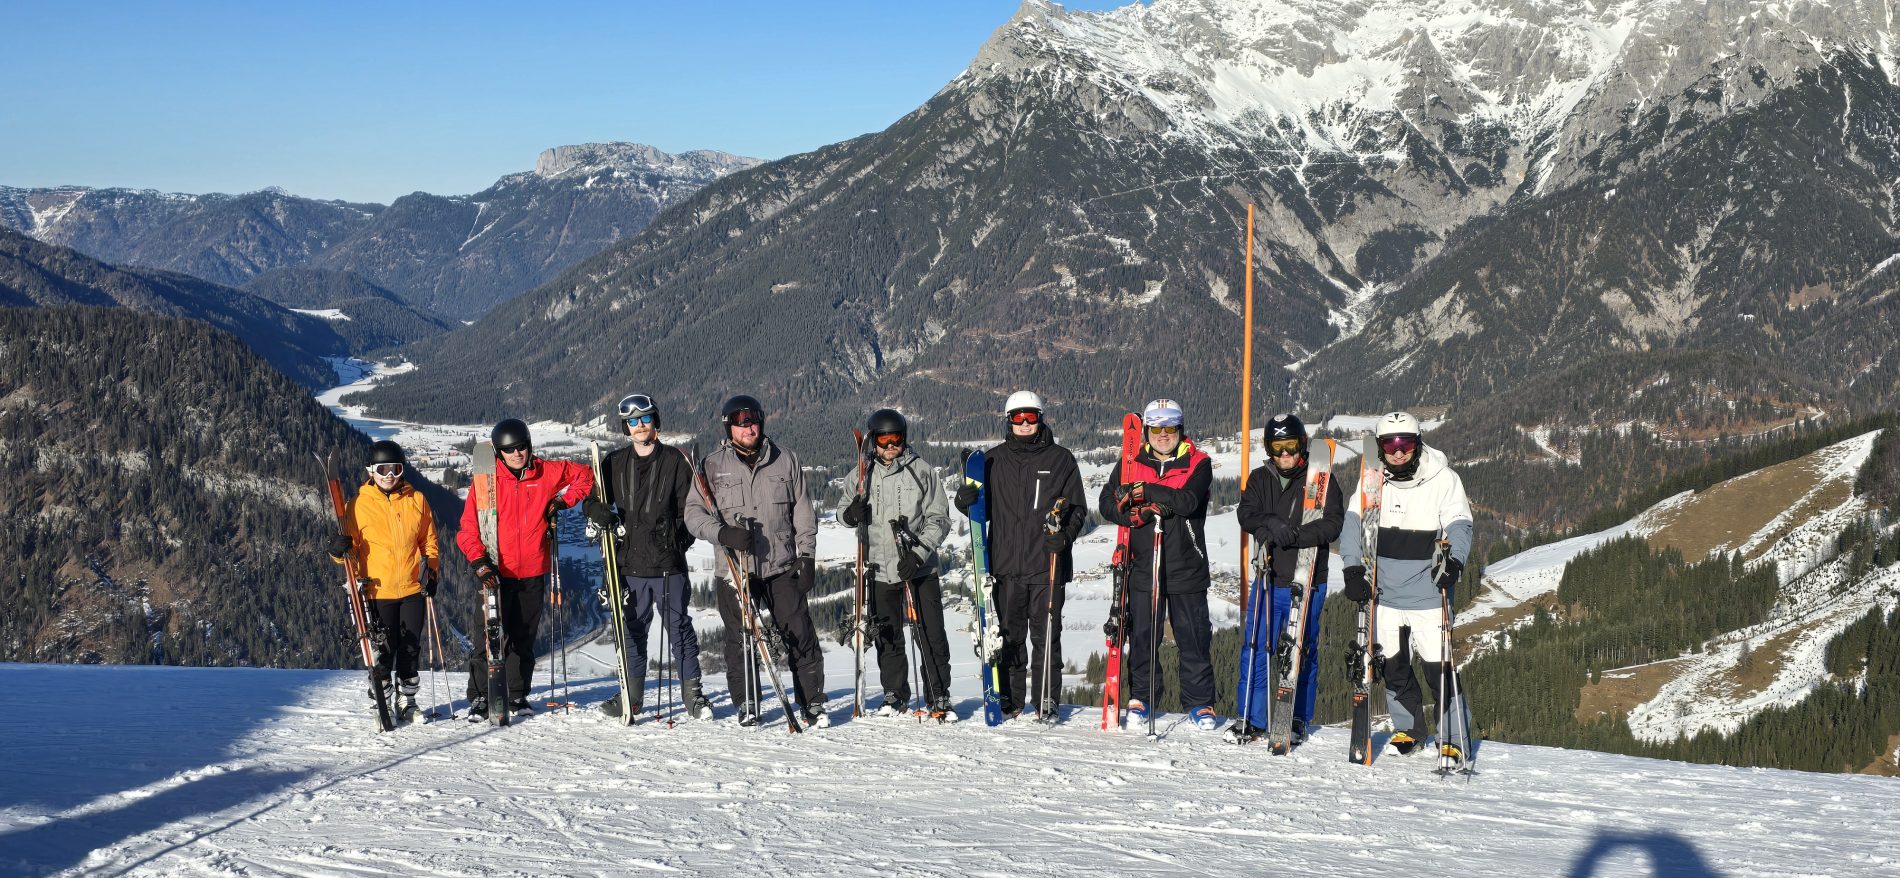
(222, 772)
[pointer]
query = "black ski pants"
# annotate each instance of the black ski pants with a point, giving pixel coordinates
(669, 593)
(1405, 698)
(401, 620)
(791, 616)
(521, 602)
(1027, 616)
(1193, 641)
(890, 612)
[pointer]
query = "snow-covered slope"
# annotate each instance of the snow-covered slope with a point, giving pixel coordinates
(167, 771)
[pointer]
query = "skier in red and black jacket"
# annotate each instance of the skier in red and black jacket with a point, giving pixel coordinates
(528, 492)
(1167, 488)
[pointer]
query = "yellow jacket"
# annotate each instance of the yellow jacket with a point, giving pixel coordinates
(394, 535)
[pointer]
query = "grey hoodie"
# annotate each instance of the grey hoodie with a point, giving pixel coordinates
(906, 487)
(772, 500)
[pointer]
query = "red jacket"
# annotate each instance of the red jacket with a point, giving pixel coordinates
(521, 505)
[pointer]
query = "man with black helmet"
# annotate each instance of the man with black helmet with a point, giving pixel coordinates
(648, 484)
(390, 527)
(528, 492)
(1421, 501)
(764, 513)
(1025, 475)
(1271, 510)
(903, 516)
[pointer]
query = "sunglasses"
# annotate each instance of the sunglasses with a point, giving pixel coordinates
(744, 418)
(637, 420)
(1025, 417)
(1166, 431)
(888, 440)
(385, 469)
(1283, 447)
(514, 449)
(1398, 444)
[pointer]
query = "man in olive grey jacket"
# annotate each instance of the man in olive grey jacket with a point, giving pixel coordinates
(764, 514)
(903, 516)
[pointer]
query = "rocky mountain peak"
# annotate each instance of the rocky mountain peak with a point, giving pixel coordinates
(588, 159)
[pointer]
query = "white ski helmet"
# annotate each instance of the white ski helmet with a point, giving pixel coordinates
(1021, 400)
(1398, 424)
(1162, 413)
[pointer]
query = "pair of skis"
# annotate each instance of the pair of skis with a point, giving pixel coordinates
(1116, 628)
(1285, 659)
(988, 641)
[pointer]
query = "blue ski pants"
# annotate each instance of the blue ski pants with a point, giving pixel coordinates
(1254, 690)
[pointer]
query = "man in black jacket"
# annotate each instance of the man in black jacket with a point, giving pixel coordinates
(1167, 488)
(647, 486)
(1026, 474)
(1270, 510)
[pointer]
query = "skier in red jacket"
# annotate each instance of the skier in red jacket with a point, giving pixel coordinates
(528, 492)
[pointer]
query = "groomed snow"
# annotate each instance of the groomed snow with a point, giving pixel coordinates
(143, 771)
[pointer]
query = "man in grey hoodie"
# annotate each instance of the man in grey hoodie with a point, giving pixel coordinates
(903, 516)
(1421, 502)
(764, 514)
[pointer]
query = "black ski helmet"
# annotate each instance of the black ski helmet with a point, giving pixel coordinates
(887, 421)
(634, 405)
(1285, 426)
(510, 433)
(741, 403)
(385, 451)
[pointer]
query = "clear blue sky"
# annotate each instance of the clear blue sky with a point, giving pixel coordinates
(368, 101)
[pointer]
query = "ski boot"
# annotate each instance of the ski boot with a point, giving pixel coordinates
(697, 706)
(1137, 712)
(942, 712)
(1299, 732)
(520, 707)
(1204, 719)
(890, 707)
(477, 709)
(748, 715)
(611, 706)
(815, 715)
(1403, 743)
(1243, 732)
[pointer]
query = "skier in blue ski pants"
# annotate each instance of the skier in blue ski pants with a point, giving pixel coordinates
(1266, 636)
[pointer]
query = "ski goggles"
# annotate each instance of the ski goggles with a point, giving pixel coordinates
(1285, 447)
(389, 470)
(888, 440)
(636, 404)
(1027, 416)
(745, 418)
(1398, 444)
(638, 420)
(1168, 430)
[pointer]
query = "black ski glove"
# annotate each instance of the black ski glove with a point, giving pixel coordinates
(486, 573)
(735, 538)
(1057, 542)
(807, 573)
(599, 513)
(340, 545)
(1279, 532)
(967, 494)
(430, 579)
(1358, 590)
(1448, 577)
(855, 512)
(909, 567)
(554, 508)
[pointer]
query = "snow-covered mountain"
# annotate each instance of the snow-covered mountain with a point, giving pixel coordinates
(457, 255)
(1454, 198)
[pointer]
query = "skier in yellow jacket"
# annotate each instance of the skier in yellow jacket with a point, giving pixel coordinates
(390, 528)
